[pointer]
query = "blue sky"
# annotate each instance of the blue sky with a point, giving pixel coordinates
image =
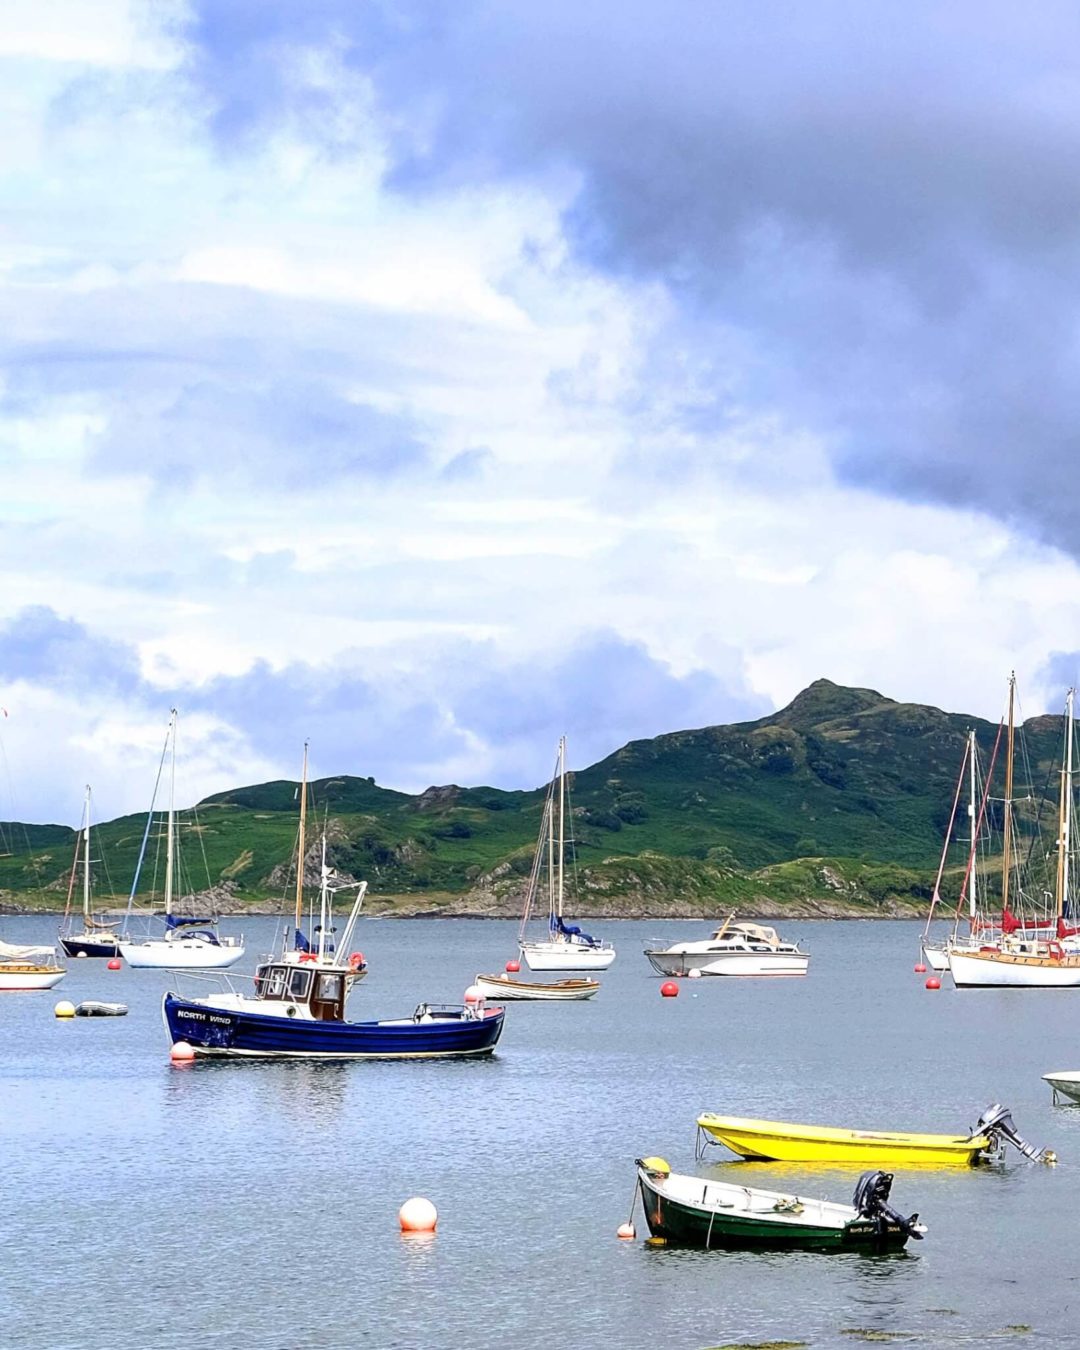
(429, 381)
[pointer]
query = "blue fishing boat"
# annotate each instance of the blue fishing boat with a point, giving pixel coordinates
(298, 1011)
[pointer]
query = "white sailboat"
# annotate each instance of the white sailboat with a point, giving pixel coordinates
(566, 946)
(1022, 958)
(97, 937)
(189, 942)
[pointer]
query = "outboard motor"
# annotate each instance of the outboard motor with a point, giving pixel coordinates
(996, 1123)
(870, 1202)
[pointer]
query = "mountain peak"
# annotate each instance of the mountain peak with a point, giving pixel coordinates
(824, 701)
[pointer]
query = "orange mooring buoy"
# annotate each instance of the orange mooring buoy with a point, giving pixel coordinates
(114, 963)
(669, 989)
(933, 982)
(920, 969)
(512, 967)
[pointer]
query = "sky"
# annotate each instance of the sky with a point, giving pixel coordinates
(429, 381)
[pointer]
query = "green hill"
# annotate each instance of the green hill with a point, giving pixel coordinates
(837, 803)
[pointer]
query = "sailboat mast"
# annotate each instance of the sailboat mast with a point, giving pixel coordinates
(973, 905)
(170, 845)
(1065, 813)
(86, 863)
(301, 841)
(562, 816)
(550, 813)
(1006, 834)
(324, 898)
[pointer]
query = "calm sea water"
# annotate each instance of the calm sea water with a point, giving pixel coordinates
(249, 1204)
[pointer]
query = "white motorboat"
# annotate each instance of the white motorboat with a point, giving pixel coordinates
(1065, 1083)
(733, 949)
(566, 947)
(189, 941)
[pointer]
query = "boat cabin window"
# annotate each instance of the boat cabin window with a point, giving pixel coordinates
(328, 996)
(299, 984)
(270, 981)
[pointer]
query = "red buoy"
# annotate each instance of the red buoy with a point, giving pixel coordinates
(920, 969)
(669, 989)
(933, 982)
(114, 963)
(512, 967)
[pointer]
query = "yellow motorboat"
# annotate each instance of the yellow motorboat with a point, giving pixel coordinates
(787, 1142)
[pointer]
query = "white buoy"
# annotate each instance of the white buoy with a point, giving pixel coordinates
(418, 1215)
(474, 994)
(626, 1231)
(182, 1052)
(64, 1009)
(694, 974)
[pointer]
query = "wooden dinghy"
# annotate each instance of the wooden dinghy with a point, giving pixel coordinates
(503, 987)
(693, 1212)
(785, 1141)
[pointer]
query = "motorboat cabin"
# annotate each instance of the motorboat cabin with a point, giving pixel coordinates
(304, 990)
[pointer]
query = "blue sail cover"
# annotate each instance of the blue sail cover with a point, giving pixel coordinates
(184, 920)
(571, 930)
(301, 943)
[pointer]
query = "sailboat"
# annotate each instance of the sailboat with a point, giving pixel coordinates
(97, 937)
(189, 941)
(1043, 958)
(936, 954)
(23, 967)
(566, 946)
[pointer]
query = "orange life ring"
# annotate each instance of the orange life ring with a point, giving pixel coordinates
(356, 960)
(309, 956)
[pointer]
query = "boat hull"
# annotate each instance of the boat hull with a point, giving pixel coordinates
(90, 946)
(1065, 1083)
(726, 1219)
(15, 977)
(994, 969)
(542, 956)
(496, 986)
(238, 1033)
(937, 958)
(728, 963)
(786, 1142)
(181, 954)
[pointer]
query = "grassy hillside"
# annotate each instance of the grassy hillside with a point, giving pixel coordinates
(839, 800)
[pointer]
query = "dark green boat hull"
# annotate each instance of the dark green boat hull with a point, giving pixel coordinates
(690, 1226)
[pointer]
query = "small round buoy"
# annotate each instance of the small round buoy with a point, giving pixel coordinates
(669, 989)
(181, 1052)
(512, 967)
(474, 994)
(80, 956)
(64, 1009)
(626, 1231)
(418, 1216)
(920, 969)
(694, 974)
(933, 982)
(114, 963)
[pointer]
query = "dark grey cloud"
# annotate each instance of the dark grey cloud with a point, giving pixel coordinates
(879, 200)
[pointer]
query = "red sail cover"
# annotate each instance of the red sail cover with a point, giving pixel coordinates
(1009, 922)
(1064, 931)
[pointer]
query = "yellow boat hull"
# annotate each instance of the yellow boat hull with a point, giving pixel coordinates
(787, 1142)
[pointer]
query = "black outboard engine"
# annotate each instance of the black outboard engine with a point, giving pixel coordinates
(996, 1123)
(870, 1202)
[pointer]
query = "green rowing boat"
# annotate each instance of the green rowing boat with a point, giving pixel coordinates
(693, 1212)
